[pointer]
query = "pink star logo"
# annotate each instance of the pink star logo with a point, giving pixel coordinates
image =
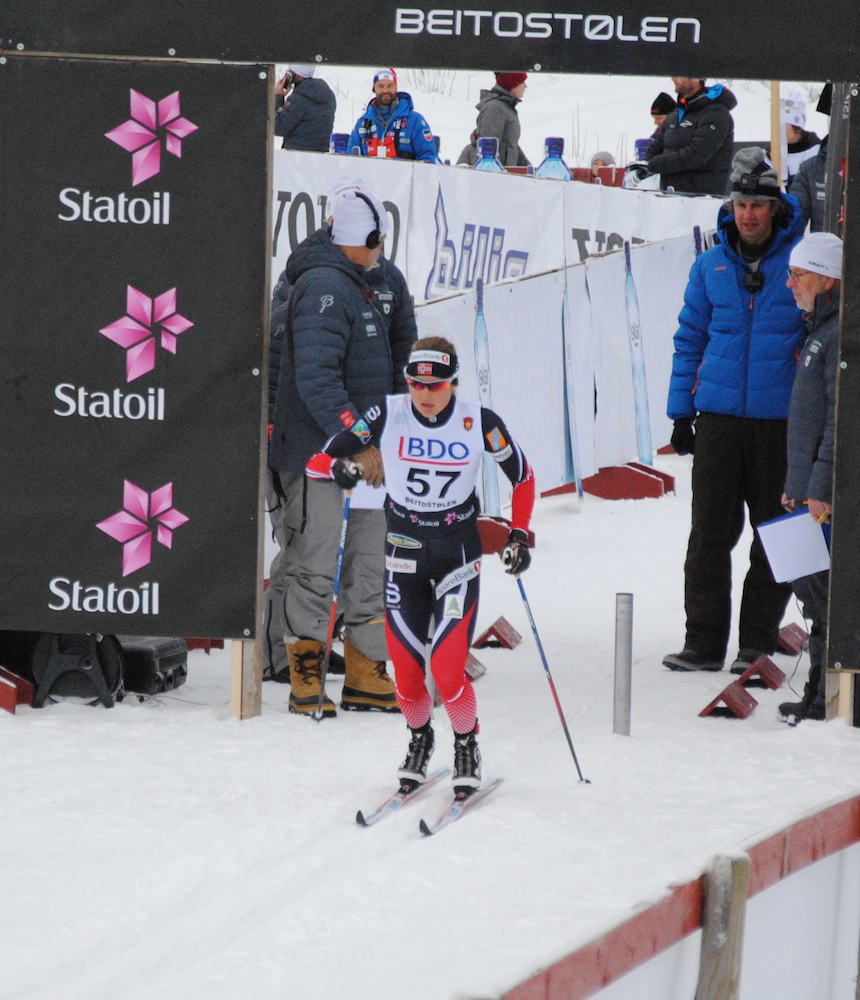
(134, 331)
(141, 134)
(142, 515)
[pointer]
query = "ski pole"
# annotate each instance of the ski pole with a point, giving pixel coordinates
(549, 678)
(332, 618)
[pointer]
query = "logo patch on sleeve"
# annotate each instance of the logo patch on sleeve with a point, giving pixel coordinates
(361, 431)
(346, 418)
(496, 439)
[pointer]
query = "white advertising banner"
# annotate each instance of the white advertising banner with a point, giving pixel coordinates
(466, 224)
(564, 379)
(300, 183)
(601, 218)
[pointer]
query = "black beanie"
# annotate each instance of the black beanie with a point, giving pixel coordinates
(663, 104)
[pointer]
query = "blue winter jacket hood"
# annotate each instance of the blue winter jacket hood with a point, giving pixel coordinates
(735, 349)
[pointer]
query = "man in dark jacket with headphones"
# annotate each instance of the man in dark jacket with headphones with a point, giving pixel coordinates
(336, 362)
(692, 149)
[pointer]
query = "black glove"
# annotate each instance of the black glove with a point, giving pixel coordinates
(346, 473)
(515, 555)
(684, 437)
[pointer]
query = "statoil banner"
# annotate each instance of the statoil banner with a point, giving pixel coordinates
(133, 293)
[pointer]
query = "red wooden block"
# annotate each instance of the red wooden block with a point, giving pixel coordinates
(474, 668)
(500, 633)
(8, 695)
(668, 481)
(624, 482)
(792, 640)
(766, 670)
(494, 532)
(734, 700)
(23, 688)
(205, 644)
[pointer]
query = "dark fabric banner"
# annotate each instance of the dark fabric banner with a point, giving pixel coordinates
(763, 40)
(133, 287)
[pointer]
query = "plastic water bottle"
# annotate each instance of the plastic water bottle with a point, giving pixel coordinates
(553, 165)
(487, 149)
(340, 142)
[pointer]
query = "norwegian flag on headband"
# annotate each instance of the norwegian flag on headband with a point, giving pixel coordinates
(425, 369)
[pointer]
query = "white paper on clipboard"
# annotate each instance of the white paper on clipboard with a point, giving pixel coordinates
(795, 546)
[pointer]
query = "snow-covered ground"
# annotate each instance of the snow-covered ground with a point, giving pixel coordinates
(162, 851)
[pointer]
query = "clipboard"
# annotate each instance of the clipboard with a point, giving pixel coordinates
(796, 545)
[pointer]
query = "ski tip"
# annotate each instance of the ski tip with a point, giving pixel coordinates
(422, 826)
(359, 818)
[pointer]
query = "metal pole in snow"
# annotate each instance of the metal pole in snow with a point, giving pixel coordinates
(623, 663)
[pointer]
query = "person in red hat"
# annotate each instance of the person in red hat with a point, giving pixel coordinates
(497, 117)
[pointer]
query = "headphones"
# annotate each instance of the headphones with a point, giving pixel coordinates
(374, 237)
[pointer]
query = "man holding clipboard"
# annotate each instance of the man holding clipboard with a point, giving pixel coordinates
(814, 275)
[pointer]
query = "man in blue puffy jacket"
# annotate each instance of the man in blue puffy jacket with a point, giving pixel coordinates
(732, 372)
(390, 127)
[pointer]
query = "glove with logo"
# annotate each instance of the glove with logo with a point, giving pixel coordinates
(639, 170)
(346, 473)
(370, 461)
(515, 555)
(683, 438)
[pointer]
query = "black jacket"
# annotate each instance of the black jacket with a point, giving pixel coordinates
(808, 187)
(812, 414)
(306, 119)
(693, 149)
(336, 359)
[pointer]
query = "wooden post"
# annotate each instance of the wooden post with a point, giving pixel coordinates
(777, 131)
(247, 679)
(724, 910)
(246, 688)
(843, 638)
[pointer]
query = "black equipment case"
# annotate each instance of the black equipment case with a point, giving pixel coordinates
(152, 664)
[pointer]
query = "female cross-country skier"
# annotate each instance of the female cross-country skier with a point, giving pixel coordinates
(432, 446)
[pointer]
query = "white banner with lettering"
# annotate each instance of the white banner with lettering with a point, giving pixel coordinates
(449, 226)
(563, 379)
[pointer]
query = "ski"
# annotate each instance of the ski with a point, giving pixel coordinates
(456, 809)
(399, 799)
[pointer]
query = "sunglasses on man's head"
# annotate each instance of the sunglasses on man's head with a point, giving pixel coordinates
(415, 383)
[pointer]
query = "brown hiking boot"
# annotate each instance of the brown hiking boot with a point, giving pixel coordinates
(306, 658)
(367, 687)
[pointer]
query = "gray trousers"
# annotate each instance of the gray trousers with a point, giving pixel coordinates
(311, 515)
(274, 651)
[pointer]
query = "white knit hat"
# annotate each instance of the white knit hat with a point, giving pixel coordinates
(351, 215)
(794, 110)
(820, 253)
(307, 71)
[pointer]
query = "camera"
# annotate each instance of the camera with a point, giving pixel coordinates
(753, 281)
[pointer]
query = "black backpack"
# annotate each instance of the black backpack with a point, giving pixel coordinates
(83, 666)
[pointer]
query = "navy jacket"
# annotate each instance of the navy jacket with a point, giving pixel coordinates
(736, 350)
(692, 150)
(808, 187)
(336, 358)
(812, 417)
(306, 119)
(413, 139)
